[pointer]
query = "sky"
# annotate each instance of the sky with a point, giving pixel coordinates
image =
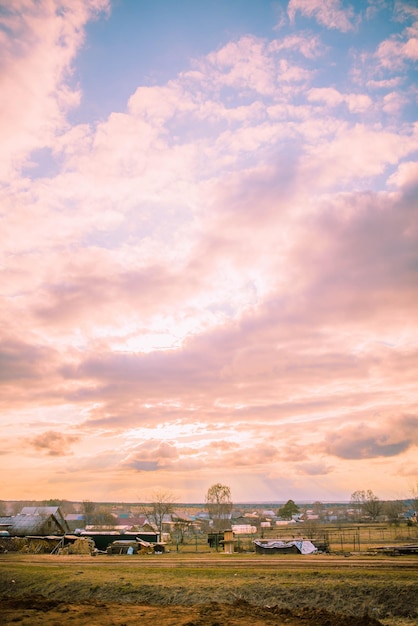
(208, 249)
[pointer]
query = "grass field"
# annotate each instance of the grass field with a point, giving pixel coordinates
(385, 588)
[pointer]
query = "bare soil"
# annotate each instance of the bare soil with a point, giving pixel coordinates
(45, 612)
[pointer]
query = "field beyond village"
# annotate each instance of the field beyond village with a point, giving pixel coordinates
(213, 588)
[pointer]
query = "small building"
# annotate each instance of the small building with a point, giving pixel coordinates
(244, 529)
(228, 542)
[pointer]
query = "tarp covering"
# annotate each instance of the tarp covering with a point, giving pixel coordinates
(303, 546)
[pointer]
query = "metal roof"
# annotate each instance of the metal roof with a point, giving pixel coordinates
(41, 510)
(7, 520)
(28, 524)
(41, 522)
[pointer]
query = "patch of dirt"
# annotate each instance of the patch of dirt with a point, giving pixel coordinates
(42, 611)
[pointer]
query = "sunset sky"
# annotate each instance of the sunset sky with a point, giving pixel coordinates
(209, 249)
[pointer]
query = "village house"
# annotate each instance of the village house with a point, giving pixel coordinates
(36, 520)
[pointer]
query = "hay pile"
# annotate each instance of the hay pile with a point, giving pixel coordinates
(83, 545)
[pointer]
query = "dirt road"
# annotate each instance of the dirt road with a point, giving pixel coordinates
(42, 612)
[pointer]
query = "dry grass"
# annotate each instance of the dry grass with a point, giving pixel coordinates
(386, 588)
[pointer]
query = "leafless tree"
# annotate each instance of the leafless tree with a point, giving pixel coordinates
(311, 528)
(88, 509)
(394, 509)
(65, 505)
(20, 504)
(182, 527)
(162, 505)
(218, 503)
(318, 509)
(367, 504)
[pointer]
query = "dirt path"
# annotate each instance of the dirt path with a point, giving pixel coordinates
(43, 612)
(221, 561)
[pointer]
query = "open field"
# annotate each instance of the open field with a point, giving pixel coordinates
(213, 588)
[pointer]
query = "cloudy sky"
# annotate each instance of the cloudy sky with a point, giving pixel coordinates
(209, 248)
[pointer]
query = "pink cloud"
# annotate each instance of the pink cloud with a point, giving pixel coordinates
(329, 13)
(310, 45)
(363, 441)
(39, 42)
(245, 65)
(400, 49)
(236, 268)
(406, 175)
(314, 469)
(53, 443)
(356, 103)
(393, 103)
(153, 455)
(357, 152)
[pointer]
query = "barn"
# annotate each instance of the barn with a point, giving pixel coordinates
(38, 520)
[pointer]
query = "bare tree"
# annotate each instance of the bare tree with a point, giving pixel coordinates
(218, 503)
(64, 505)
(162, 505)
(311, 528)
(356, 502)
(394, 509)
(318, 509)
(182, 527)
(367, 503)
(18, 505)
(88, 509)
(103, 517)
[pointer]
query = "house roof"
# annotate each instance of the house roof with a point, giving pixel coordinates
(139, 520)
(31, 520)
(183, 517)
(6, 521)
(39, 510)
(28, 524)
